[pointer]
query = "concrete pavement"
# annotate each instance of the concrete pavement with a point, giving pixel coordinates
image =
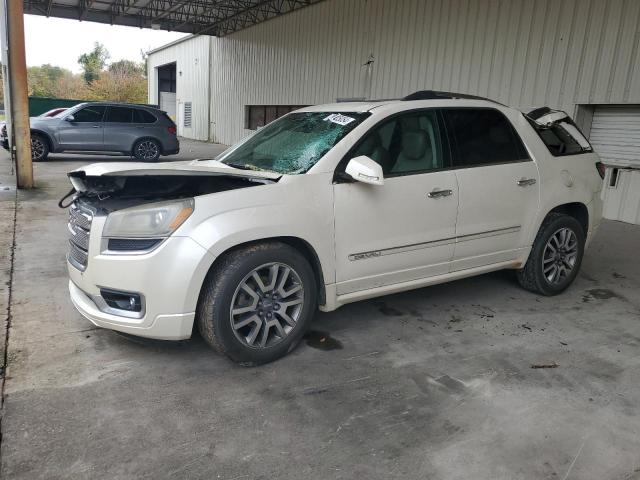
(431, 384)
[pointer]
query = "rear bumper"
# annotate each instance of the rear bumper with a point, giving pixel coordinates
(172, 148)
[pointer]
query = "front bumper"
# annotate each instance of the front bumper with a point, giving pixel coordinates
(163, 327)
(168, 278)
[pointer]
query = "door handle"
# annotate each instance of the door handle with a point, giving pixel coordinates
(96, 126)
(525, 182)
(439, 193)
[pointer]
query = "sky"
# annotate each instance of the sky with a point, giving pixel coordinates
(60, 42)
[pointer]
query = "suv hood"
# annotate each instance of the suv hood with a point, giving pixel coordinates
(188, 168)
(114, 185)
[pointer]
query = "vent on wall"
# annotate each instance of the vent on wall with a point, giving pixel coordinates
(186, 122)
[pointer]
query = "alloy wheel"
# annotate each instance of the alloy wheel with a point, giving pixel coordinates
(37, 148)
(147, 150)
(266, 305)
(560, 255)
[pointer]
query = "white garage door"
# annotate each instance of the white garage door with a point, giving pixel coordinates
(615, 136)
(168, 104)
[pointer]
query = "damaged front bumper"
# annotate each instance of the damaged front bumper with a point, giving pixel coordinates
(164, 327)
(167, 279)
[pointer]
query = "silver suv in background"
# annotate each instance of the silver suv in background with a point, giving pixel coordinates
(137, 130)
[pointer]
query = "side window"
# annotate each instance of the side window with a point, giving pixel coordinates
(89, 114)
(482, 136)
(118, 115)
(559, 141)
(142, 116)
(408, 143)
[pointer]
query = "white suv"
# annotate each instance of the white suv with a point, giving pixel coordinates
(328, 205)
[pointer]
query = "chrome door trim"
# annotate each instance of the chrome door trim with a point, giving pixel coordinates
(433, 243)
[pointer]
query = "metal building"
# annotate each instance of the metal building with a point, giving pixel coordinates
(582, 56)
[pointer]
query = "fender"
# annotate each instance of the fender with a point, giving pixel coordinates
(227, 230)
(53, 145)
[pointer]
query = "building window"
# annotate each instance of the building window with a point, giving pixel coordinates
(257, 116)
(186, 121)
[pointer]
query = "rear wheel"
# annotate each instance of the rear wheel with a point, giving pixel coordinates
(257, 303)
(147, 150)
(39, 147)
(555, 257)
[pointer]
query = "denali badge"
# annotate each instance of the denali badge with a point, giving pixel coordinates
(362, 256)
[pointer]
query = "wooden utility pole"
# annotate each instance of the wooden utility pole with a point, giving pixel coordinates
(18, 93)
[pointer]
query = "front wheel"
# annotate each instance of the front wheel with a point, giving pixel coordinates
(257, 303)
(147, 150)
(555, 257)
(39, 148)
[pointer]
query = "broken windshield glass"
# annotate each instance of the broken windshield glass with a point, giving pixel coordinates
(294, 143)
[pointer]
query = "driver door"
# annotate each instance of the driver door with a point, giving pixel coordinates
(403, 230)
(86, 130)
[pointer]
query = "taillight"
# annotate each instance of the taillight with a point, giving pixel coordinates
(172, 130)
(601, 169)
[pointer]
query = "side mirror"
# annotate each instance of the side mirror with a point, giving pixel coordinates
(69, 118)
(363, 169)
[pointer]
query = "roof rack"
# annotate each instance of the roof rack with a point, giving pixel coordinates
(437, 95)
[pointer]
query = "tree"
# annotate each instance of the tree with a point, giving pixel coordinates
(127, 67)
(119, 86)
(42, 80)
(93, 62)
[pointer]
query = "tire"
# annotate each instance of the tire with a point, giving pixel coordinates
(39, 148)
(147, 150)
(551, 269)
(231, 286)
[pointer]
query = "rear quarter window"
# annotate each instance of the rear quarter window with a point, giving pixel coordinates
(558, 139)
(142, 116)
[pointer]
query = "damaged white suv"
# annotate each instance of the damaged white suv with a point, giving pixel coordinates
(329, 205)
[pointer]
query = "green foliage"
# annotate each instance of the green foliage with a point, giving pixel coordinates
(121, 81)
(93, 62)
(119, 86)
(127, 67)
(52, 81)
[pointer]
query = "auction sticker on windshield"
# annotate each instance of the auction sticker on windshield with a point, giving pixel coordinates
(339, 119)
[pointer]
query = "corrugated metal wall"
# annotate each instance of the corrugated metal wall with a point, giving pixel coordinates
(192, 82)
(524, 53)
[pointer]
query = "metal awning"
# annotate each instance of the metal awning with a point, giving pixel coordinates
(209, 17)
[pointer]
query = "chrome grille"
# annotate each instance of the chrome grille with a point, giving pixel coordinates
(79, 228)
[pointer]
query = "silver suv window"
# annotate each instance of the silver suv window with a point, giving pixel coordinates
(92, 113)
(118, 115)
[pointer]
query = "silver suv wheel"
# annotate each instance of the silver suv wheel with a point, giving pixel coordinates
(147, 150)
(38, 148)
(560, 255)
(266, 305)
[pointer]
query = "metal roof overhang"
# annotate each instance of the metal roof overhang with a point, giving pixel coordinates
(208, 17)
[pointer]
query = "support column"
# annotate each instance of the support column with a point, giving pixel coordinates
(18, 92)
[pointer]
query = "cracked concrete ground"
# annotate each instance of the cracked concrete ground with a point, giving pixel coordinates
(436, 383)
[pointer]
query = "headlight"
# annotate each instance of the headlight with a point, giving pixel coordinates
(153, 220)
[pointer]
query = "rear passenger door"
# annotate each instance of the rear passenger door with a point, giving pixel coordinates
(119, 131)
(498, 187)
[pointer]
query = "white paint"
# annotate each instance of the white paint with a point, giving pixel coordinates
(192, 82)
(433, 240)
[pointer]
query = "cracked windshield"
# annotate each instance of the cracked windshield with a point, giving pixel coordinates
(294, 143)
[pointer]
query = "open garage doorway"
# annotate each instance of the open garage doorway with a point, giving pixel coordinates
(167, 89)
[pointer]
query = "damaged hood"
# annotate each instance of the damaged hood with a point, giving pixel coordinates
(190, 167)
